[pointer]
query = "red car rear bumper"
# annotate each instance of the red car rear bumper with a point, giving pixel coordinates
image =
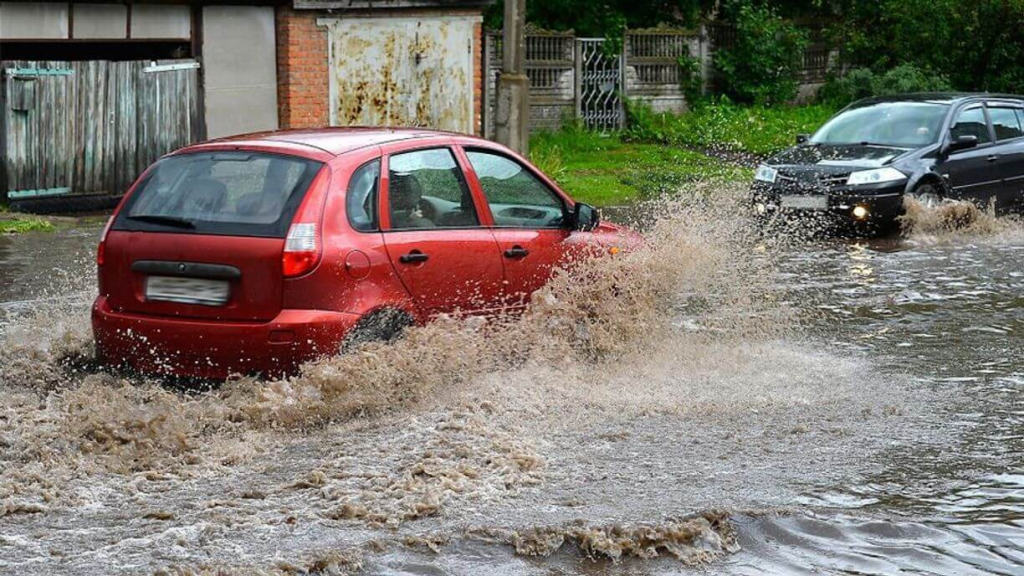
(212, 349)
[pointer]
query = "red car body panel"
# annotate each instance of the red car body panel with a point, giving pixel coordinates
(272, 324)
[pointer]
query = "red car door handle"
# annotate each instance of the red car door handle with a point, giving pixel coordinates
(412, 257)
(517, 252)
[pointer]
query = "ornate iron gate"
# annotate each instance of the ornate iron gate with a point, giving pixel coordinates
(598, 85)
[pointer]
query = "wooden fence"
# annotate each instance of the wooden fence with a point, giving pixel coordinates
(92, 126)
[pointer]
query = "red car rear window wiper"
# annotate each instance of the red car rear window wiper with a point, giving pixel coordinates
(165, 220)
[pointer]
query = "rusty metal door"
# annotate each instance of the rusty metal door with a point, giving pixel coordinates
(402, 72)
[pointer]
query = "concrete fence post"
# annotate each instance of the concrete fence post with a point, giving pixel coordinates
(512, 122)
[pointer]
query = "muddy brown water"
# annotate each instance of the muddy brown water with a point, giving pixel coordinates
(800, 407)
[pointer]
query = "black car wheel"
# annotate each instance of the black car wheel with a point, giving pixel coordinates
(380, 326)
(927, 195)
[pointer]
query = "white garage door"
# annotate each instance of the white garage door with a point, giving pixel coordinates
(402, 72)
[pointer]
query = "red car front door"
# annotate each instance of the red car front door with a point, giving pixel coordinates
(446, 259)
(529, 220)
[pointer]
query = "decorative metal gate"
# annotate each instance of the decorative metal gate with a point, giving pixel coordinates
(598, 85)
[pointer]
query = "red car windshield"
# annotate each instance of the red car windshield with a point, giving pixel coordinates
(226, 193)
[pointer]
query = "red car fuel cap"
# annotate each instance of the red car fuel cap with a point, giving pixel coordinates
(357, 265)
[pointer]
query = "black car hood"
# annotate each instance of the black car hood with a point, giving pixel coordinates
(848, 156)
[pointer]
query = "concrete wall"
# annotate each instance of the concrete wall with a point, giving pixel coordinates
(51, 21)
(240, 69)
(96, 21)
(36, 20)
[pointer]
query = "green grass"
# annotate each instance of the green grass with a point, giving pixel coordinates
(606, 170)
(722, 125)
(19, 225)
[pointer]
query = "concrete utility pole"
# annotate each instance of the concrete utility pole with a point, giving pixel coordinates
(512, 122)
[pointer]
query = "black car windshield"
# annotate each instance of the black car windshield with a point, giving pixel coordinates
(231, 193)
(897, 124)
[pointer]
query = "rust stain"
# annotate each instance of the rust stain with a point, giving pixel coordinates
(413, 74)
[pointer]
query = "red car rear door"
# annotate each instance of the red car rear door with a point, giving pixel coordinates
(529, 219)
(447, 259)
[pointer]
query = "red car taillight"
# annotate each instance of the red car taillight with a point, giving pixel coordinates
(301, 250)
(101, 250)
(303, 246)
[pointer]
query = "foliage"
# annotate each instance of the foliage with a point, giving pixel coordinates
(606, 18)
(606, 170)
(977, 44)
(22, 224)
(863, 83)
(691, 80)
(761, 66)
(722, 125)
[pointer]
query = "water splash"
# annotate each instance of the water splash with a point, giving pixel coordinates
(955, 220)
(688, 335)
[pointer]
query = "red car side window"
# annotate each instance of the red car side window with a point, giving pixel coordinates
(517, 198)
(427, 190)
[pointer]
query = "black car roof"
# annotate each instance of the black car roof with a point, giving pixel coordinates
(936, 97)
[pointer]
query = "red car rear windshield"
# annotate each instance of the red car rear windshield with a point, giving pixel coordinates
(224, 193)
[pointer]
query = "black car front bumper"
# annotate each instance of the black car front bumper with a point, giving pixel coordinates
(852, 204)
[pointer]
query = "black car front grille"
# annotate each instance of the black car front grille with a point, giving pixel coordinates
(810, 182)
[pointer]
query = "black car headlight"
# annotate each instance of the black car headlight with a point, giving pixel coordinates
(766, 173)
(876, 176)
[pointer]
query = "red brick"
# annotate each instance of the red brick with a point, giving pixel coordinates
(302, 80)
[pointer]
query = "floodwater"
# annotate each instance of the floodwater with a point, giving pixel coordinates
(717, 403)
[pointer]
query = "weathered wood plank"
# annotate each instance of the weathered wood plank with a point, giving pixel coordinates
(97, 128)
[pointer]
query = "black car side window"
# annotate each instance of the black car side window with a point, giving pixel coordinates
(361, 197)
(972, 123)
(1005, 122)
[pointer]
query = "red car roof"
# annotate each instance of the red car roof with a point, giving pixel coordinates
(334, 141)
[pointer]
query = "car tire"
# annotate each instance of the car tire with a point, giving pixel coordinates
(380, 326)
(928, 195)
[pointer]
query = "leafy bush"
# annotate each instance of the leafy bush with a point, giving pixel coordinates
(723, 125)
(863, 83)
(691, 79)
(761, 67)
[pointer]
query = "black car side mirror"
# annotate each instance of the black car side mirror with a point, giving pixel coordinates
(963, 142)
(585, 217)
(802, 138)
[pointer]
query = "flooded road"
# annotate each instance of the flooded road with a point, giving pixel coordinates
(752, 407)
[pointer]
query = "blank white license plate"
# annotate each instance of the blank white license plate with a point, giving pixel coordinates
(818, 202)
(187, 290)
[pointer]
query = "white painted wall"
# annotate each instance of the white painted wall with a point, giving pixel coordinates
(240, 69)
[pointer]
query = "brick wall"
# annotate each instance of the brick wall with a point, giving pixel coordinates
(302, 80)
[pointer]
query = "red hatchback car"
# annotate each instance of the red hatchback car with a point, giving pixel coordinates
(256, 253)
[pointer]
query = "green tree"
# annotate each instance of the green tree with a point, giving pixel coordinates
(606, 18)
(978, 44)
(761, 67)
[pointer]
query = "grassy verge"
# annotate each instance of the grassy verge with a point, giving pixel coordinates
(722, 125)
(607, 170)
(16, 224)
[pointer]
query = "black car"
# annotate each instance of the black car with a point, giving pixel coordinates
(859, 166)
